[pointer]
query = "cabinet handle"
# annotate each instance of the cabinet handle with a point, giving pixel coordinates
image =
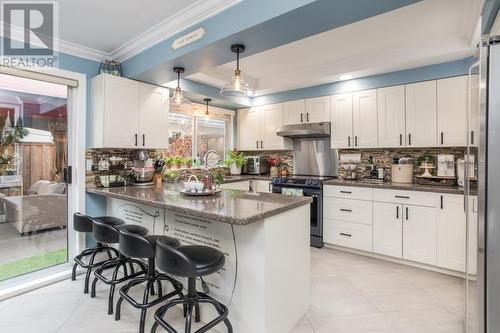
(401, 197)
(344, 234)
(441, 202)
(269, 186)
(348, 141)
(442, 138)
(397, 212)
(307, 116)
(471, 137)
(346, 210)
(406, 213)
(409, 139)
(261, 144)
(400, 139)
(143, 140)
(301, 117)
(135, 140)
(257, 144)
(355, 140)
(346, 192)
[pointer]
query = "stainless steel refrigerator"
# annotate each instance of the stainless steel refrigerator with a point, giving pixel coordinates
(483, 293)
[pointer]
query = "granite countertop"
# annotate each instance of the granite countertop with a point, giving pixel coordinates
(242, 178)
(230, 206)
(399, 186)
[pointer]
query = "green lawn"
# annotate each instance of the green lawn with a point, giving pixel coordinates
(31, 264)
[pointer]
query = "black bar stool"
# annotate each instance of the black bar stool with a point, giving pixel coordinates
(136, 245)
(83, 223)
(105, 230)
(191, 261)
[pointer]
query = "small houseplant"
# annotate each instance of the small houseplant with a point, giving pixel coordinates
(178, 160)
(234, 162)
(188, 161)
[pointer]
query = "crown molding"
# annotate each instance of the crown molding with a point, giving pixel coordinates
(83, 51)
(196, 13)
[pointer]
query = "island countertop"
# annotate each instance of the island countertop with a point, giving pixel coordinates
(230, 206)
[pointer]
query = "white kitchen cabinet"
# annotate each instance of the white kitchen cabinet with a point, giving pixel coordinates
(352, 235)
(128, 114)
(419, 234)
(294, 112)
(388, 229)
(421, 128)
(391, 117)
(153, 117)
(317, 109)
(248, 124)
(242, 186)
(341, 117)
(364, 114)
(452, 102)
(451, 233)
(348, 210)
(263, 186)
(257, 128)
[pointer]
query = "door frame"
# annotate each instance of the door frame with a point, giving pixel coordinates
(77, 106)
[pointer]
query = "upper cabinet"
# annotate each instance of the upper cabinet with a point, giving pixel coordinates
(452, 99)
(128, 114)
(257, 128)
(364, 118)
(421, 111)
(353, 118)
(318, 109)
(391, 117)
(294, 112)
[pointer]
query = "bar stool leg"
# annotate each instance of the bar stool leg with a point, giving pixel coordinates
(87, 275)
(112, 290)
(189, 315)
(73, 272)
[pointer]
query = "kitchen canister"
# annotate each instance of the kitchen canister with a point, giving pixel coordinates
(402, 173)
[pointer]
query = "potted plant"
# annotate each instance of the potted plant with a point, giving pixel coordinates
(188, 161)
(234, 162)
(168, 161)
(178, 160)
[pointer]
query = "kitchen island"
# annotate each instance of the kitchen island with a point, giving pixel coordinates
(264, 236)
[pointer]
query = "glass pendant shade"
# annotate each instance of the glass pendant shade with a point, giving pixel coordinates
(237, 87)
(178, 102)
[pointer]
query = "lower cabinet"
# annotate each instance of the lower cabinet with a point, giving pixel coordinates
(419, 234)
(244, 186)
(353, 235)
(263, 186)
(388, 229)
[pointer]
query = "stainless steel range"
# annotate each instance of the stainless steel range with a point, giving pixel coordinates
(313, 162)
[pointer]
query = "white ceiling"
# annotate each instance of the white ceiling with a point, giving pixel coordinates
(118, 29)
(427, 32)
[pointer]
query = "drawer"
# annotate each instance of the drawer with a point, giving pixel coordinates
(414, 198)
(348, 210)
(348, 192)
(352, 235)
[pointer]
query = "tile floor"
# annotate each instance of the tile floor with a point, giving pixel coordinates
(349, 293)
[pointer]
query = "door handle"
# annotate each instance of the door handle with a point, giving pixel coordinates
(135, 140)
(344, 234)
(355, 140)
(441, 202)
(307, 116)
(269, 186)
(442, 138)
(406, 213)
(400, 139)
(257, 144)
(397, 212)
(143, 140)
(261, 144)
(68, 174)
(348, 141)
(346, 210)
(471, 137)
(409, 139)
(301, 117)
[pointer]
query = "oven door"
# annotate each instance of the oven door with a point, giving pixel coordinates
(316, 212)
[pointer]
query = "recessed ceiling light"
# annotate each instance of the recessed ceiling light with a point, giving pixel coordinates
(345, 77)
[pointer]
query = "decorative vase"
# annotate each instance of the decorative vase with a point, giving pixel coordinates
(273, 172)
(234, 169)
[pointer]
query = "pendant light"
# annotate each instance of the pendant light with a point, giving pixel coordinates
(207, 100)
(237, 87)
(178, 101)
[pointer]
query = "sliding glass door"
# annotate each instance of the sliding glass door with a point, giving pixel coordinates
(33, 194)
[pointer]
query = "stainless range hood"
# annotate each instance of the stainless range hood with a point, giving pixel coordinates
(305, 131)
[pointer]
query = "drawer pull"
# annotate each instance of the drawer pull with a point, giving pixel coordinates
(406, 213)
(346, 210)
(401, 197)
(347, 235)
(346, 192)
(397, 212)
(442, 202)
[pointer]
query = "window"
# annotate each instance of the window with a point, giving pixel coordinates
(193, 136)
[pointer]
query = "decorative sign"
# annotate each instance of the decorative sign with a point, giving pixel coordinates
(189, 38)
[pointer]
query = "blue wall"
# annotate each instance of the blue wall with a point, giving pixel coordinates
(454, 68)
